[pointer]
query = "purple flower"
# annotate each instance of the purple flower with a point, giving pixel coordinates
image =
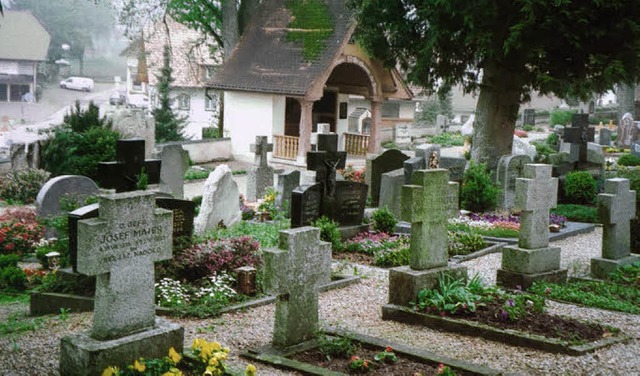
(504, 314)
(511, 303)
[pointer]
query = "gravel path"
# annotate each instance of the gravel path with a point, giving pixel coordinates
(358, 308)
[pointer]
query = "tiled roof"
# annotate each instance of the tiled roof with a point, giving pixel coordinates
(190, 53)
(264, 61)
(22, 37)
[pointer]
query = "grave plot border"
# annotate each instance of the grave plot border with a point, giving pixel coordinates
(509, 336)
(279, 357)
(45, 303)
(492, 247)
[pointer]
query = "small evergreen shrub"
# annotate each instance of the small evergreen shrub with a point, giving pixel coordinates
(577, 213)
(628, 160)
(527, 128)
(553, 140)
(580, 188)
(329, 232)
(479, 194)
(384, 220)
(209, 133)
(562, 117)
(12, 278)
(543, 151)
(22, 186)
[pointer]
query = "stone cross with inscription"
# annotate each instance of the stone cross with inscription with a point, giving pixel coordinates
(295, 270)
(424, 204)
(326, 161)
(120, 248)
(124, 173)
(260, 149)
(617, 206)
(579, 133)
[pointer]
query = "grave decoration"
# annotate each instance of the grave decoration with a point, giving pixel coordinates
(341, 201)
(260, 175)
(533, 260)
(120, 248)
(124, 174)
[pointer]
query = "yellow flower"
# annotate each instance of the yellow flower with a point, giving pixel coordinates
(213, 362)
(216, 346)
(173, 372)
(140, 367)
(174, 356)
(111, 371)
(251, 370)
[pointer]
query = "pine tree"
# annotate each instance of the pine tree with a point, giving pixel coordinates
(169, 127)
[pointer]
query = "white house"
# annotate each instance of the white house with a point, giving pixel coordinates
(271, 89)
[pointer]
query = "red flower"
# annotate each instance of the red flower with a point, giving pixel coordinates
(443, 313)
(388, 349)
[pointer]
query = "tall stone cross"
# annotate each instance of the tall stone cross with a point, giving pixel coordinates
(296, 269)
(119, 248)
(424, 204)
(326, 161)
(123, 174)
(580, 133)
(617, 206)
(536, 194)
(260, 149)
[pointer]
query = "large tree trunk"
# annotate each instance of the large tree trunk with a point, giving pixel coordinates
(230, 31)
(496, 114)
(626, 100)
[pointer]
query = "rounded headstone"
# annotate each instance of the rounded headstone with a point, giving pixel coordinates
(76, 187)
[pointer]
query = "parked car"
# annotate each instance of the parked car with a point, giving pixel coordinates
(77, 83)
(117, 97)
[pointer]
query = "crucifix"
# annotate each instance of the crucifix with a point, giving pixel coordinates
(124, 173)
(326, 161)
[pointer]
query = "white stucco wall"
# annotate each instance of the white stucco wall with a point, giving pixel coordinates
(279, 104)
(247, 115)
(407, 109)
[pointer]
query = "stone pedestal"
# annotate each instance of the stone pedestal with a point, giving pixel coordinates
(601, 267)
(82, 355)
(521, 267)
(405, 283)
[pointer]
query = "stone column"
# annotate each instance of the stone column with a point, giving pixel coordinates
(376, 123)
(306, 124)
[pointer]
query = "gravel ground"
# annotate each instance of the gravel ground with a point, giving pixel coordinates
(358, 308)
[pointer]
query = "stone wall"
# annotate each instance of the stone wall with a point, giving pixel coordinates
(203, 151)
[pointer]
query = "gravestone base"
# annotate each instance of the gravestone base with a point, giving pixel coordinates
(530, 261)
(515, 280)
(348, 232)
(82, 355)
(405, 283)
(601, 267)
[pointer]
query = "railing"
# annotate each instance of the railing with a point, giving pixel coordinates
(356, 143)
(285, 147)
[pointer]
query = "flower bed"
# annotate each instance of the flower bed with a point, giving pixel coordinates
(518, 318)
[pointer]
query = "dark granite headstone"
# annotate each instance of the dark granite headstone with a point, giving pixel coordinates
(605, 136)
(579, 133)
(306, 204)
(455, 166)
(390, 160)
(411, 165)
(123, 174)
(529, 117)
(635, 148)
(350, 201)
(85, 212)
(184, 211)
(326, 161)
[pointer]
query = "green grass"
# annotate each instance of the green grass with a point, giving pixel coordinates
(314, 25)
(494, 232)
(11, 298)
(577, 213)
(595, 294)
(266, 233)
(18, 323)
(447, 139)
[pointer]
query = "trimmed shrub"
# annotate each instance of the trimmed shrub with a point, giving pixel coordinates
(329, 232)
(22, 186)
(384, 220)
(577, 213)
(479, 194)
(628, 160)
(580, 188)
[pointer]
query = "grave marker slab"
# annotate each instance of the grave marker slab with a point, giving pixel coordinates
(377, 165)
(529, 117)
(627, 131)
(287, 182)
(411, 165)
(123, 174)
(510, 167)
(617, 207)
(391, 190)
(220, 201)
(184, 212)
(85, 212)
(295, 269)
(635, 149)
(532, 260)
(579, 133)
(402, 134)
(175, 162)
(456, 167)
(260, 175)
(605, 137)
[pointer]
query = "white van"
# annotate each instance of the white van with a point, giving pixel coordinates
(77, 83)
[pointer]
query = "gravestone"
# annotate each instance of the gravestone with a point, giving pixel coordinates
(120, 249)
(456, 167)
(532, 259)
(175, 162)
(391, 190)
(24, 155)
(85, 212)
(220, 201)
(627, 131)
(595, 154)
(183, 211)
(529, 117)
(123, 174)
(635, 149)
(580, 134)
(510, 167)
(427, 150)
(617, 207)
(74, 188)
(260, 175)
(605, 137)
(377, 165)
(324, 128)
(134, 123)
(411, 165)
(295, 270)
(441, 124)
(402, 134)
(424, 206)
(287, 182)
